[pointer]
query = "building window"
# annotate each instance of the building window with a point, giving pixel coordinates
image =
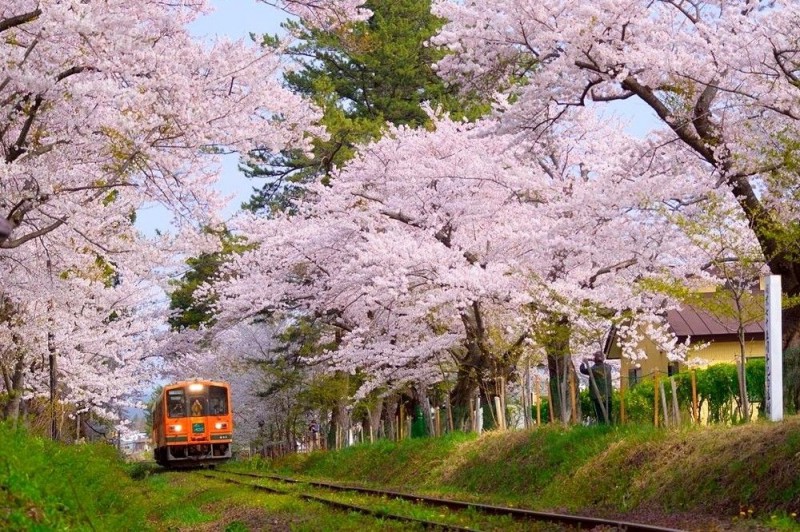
(634, 376)
(673, 368)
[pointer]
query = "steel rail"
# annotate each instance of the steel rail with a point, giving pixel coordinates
(577, 521)
(381, 514)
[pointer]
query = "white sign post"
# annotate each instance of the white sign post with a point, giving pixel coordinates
(773, 339)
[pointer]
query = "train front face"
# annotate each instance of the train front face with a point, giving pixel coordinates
(198, 422)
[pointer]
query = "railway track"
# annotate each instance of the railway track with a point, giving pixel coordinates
(562, 520)
(377, 513)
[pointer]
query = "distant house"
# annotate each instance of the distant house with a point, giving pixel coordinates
(717, 336)
(135, 443)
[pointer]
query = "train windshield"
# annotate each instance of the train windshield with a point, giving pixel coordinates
(176, 403)
(218, 400)
(197, 400)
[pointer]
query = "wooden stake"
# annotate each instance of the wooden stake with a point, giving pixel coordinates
(664, 402)
(502, 410)
(528, 394)
(695, 406)
(574, 397)
(498, 405)
(472, 415)
(675, 410)
(655, 398)
(538, 402)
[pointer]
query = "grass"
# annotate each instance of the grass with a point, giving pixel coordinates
(44, 486)
(688, 477)
(679, 477)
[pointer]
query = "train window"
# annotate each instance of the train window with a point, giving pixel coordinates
(176, 403)
(198, 405)
(218, 400)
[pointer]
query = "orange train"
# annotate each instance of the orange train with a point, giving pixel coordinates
(193, 423)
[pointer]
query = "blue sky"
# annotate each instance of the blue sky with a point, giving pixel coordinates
(234, 19)
(237, 19)
(240, 18)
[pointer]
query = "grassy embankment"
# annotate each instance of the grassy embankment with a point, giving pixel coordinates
(638, 472)
(690, 477)
(46, 486)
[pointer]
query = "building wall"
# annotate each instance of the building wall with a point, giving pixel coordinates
(712, 353)
(717, 352)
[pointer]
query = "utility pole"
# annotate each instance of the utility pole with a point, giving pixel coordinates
(53, 362)
(51, 347)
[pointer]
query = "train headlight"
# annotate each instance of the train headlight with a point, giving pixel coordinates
(195, 387)
(220, 426)
(177, 428)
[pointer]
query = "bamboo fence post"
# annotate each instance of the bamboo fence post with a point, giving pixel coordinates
(472, 415)
(664, 403)
(528, 395)
(538, 402)
(655, 398)
(499, 406)
(695, 406)
(675, 410)
(574, 397)
(450, 424)
(503, 420)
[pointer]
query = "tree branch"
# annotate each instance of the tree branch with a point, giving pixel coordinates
(609, 269)
(19, 20)
(8, 244)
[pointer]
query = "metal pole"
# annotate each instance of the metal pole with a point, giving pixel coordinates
(51, 347)
(774, 354)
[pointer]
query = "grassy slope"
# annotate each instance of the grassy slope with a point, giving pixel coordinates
(710, 471)
(44, 486)
(716, 471)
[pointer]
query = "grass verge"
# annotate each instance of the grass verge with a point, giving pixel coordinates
(689, 477)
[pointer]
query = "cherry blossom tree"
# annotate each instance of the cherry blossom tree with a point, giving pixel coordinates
(720, 75)
(428, 250)
(105, 108)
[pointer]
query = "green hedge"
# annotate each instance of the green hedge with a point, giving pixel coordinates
(717, 390)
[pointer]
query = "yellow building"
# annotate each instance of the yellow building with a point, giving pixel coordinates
(713, 338)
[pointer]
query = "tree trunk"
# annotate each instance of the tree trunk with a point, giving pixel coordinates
(14, 383)
(555, 339)
(480, 368)
(333, 429)
(425, 405)
(742, 374)
(390, 411)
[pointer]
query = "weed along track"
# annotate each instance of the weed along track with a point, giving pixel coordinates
(378, 513)
(428, 512)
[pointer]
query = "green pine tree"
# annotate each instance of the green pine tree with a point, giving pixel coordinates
(362, 76)
(189, 311)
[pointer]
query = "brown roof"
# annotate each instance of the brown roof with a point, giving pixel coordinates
(691, 321)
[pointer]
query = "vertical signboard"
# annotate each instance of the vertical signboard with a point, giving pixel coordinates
(773, 333)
